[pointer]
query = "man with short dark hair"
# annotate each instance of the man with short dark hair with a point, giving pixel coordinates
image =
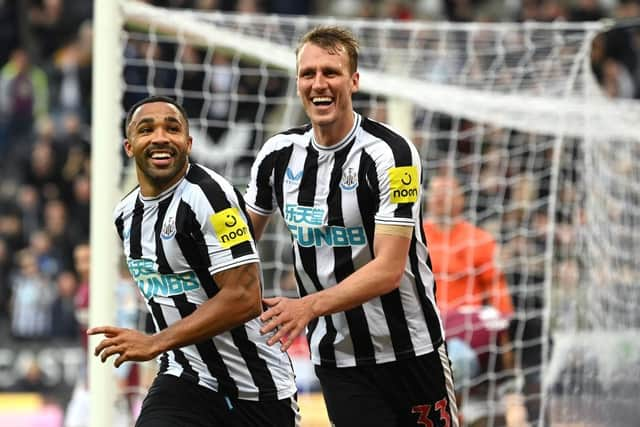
(189, 247)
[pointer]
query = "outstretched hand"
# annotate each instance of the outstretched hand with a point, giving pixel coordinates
(129, 344)
(288, 317)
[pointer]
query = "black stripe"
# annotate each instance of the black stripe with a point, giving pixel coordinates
(273, 163)
(188, 373)
(368, 195)
(325, 348)
(211, 189)
(135, 239)
(257, 366)
(161, 259)
(208, 352)
(218, 200)
(120, 226)
(307, 189)
(401, 154)
(343, 263)
(193, 247)
(243, 208)
(397, 323)
(429, 311)
(399, 145)
(280, 163)
(424, 239)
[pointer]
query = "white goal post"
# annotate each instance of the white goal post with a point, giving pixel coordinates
(547, 163)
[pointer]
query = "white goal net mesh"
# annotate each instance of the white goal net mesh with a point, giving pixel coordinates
(547, 166)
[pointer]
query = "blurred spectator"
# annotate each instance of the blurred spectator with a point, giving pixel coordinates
(55, 22)
(463, 255)
(63, 310)
(24, 97)
(28, 203)
(33, 380)
(64, 235)
(11, 227)
(42, 171)
(80, 204)
(71, 75)
(32, 296)
(47, 259)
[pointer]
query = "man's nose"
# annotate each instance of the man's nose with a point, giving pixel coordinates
(159, 135)
(319, 80)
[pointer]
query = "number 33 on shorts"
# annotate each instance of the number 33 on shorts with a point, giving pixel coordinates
(425, 411)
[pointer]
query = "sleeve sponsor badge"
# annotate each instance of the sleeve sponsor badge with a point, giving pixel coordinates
(403, 184)
(230, 228)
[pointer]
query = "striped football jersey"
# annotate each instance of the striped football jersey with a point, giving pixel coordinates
(331, 199)
(173, 244)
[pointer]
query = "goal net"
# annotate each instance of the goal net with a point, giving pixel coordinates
(546, 164)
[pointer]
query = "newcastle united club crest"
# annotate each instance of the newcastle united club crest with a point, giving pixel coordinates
(349, 180)
(168, 229)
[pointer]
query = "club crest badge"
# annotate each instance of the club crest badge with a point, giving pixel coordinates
(349, 180)
(168, 229)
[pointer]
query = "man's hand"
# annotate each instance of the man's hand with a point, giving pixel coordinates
(288, 317)
(129, 344)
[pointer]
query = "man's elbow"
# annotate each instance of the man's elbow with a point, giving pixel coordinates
(251, 305)
(394, 278)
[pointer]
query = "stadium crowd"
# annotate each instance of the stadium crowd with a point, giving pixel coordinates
(45, 112)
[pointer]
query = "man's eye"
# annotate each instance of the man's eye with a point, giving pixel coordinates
(144, 130)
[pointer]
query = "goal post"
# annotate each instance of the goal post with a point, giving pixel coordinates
(545, 160)
(105, 190)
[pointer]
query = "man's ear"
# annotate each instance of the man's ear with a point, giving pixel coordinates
(355, 82)
(127, 148)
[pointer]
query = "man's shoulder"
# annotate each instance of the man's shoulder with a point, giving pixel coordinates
(198, 174)
(285, 140)
(298, 130)
(382, 131)
(290, 135)
(128, 200)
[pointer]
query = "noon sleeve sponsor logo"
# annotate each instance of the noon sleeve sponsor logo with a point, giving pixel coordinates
(151, 283)
(230, 228)
(403, 184)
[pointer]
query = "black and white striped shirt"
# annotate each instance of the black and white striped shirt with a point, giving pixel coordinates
(331, 199)
(174, 243)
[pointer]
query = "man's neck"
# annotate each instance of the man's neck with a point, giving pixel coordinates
(150, 189)
(333, 133)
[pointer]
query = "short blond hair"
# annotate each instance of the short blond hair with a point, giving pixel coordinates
(333, 39)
